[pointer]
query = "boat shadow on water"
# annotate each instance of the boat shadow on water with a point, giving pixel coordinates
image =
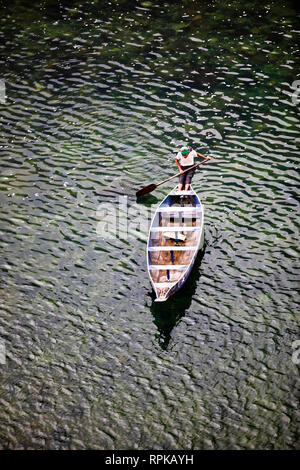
(167, 314)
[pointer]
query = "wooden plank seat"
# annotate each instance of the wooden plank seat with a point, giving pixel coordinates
(168, 266)
(179, 209)
(176, 229)
(171, 248)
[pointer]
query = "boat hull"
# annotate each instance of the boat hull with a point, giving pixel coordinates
(173, 246)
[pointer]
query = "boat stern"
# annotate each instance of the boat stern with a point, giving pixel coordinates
(162, 293)
(160, 299)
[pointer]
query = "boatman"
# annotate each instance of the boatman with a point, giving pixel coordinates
(185, 160)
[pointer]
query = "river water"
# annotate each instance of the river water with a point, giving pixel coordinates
(96, 99)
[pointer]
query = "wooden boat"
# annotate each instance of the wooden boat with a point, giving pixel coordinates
(176, 234)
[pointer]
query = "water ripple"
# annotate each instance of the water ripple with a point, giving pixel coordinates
(97, 104)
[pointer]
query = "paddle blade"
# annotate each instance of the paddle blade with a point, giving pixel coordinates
(146, 190)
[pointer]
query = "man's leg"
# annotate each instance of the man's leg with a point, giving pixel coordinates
(181, 182)
(188, 179)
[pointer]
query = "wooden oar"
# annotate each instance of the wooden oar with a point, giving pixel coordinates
(151, 187)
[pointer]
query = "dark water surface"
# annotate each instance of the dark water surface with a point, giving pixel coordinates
(98, 97)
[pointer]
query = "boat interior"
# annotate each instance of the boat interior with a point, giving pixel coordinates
(175, 234)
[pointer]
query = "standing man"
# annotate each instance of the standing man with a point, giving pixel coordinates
(184, 160)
